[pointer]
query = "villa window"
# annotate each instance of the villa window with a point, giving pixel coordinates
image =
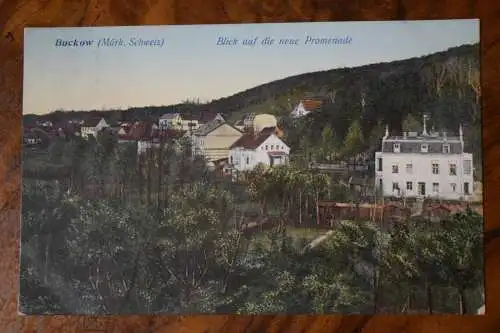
(435, 168)
(453, 169)
(424, 147)
(396, 148)
(409, 186)
(395, 168)
(466, 189)
(453, 187)
(446, 148)
(237, 158)
(435, 187)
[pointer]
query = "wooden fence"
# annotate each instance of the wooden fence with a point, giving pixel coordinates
(330, 211)
(341, 167)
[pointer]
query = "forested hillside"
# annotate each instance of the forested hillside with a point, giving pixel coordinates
(444, 85)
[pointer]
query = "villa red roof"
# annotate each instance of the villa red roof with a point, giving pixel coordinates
(136, 131)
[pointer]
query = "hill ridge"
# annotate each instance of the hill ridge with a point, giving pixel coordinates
(458, 50)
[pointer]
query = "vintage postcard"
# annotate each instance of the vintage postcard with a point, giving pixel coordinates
(253, 169)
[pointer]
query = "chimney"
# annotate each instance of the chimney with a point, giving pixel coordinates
(386, 132)
(424, 131)
(444, 135)
(405, 134)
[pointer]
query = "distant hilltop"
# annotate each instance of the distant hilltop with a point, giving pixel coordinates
(442, 85)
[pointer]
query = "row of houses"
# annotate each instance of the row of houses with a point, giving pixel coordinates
(184, 123)
(229, 146)
(34, 134)
(412, 165)
(219, 142)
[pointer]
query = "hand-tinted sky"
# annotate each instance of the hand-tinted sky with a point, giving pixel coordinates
(191, 65)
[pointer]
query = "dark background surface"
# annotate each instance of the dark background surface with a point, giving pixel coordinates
(15, 15)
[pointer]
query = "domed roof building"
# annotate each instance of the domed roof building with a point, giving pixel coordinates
(262, 121)
(256, 123)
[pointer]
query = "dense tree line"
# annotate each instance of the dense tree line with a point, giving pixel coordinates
(105, 231)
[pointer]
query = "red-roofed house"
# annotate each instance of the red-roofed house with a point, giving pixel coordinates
(252, 149)
(139, 131)
(147, 136)
(305, 107)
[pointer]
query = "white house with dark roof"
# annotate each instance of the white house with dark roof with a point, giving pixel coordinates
(92, 127)
(170, 120)
(305, 107)
(255, 148)
(424, 165)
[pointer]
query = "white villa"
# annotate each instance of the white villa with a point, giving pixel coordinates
(93, 127)
(252, 149)
(424, 165)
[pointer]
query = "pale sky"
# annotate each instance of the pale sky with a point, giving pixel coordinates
(192, 65)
